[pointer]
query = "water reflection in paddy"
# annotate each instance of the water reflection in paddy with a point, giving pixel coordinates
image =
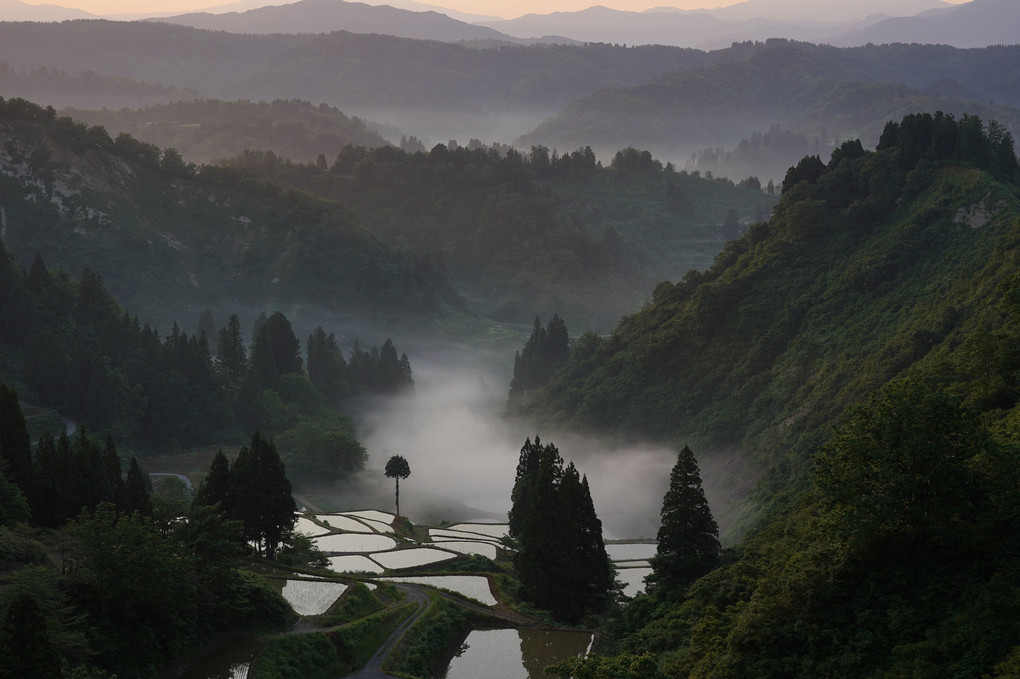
(229, 662)
(515, 654)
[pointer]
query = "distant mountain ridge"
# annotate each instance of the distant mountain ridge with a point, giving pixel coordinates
(812, 21)
(14, 10)
(821, 91)
(975, 24)
(325, 16)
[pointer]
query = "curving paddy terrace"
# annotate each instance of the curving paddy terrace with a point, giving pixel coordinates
(364, 546)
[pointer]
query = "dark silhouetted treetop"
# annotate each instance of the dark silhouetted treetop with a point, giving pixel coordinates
(546, 350)
(259, 495)
(231, 355)
(215, 487)
(561, 559)
(15, 443)
(688, 539)
(397, 468)
(136, 490)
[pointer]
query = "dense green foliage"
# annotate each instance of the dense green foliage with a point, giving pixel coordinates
(560, 558)
(358, 640)
(204, 130)
(425, 649)
(170, 239)
(860, 273)
(889, 274)
(297, 656)
(541, 231)
(122, 594)
(102, 367)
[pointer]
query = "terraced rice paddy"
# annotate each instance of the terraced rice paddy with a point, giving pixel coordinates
(312, 597)
(630, 551)
(354, 563)
(633, 579)
(486, 549)
(346, 523)
(472, 586)
(354, 543)
(515, 654)
(409, 558)
(374, 515)
(492, 530)
(309, 528)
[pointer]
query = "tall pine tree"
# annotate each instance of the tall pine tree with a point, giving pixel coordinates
(561, 559)
(688, 540)
(259, 495)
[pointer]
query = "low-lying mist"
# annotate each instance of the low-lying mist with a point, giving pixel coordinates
(463, 453)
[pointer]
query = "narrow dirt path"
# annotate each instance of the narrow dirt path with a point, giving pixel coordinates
(373, 668)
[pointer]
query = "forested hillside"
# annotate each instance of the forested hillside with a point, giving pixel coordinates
(204, 130)
(862, 344)
(870, 265)
(171, 239)
(70, 87)
(542, 232)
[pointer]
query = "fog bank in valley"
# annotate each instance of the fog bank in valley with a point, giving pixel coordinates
(463, 453)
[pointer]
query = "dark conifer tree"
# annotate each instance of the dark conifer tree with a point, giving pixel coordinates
(688, 540)
(593, 562)
(136, 491)
(113, 482)
(284, 346)
(260, 497)
(215, 488)
(327, 369)
(231, 355)
(38, 275)
(543, 559)
(546, 350)
(275, 350)
(520, 496)
(15, 443)
(206, 325)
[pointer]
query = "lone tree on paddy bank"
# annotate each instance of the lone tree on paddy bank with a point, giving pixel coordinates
(396, 469)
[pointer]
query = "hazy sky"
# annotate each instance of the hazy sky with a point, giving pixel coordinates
(504, 8)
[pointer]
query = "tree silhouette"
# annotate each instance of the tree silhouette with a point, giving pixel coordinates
(396, 469)
(689, 537)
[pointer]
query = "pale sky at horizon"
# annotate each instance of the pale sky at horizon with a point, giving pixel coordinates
(507, 9)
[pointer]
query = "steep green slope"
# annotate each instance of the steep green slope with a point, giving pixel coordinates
(209, 129)
(542, 233)
(171, 240)
(867, 266)
(863, 344)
